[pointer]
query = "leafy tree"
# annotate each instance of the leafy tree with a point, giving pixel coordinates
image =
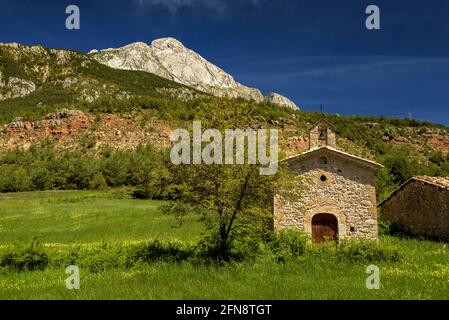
(385, 182)
(14, 179)
(41, 178)
(234, 200)
(402, 165)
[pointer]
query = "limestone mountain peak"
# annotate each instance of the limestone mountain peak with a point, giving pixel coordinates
(170, 59)
(169, 43)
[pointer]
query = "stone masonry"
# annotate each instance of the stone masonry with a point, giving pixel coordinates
(420, 207)
(332, 182)
(322, 135)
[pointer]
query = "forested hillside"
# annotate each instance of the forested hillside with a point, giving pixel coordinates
(68, 122)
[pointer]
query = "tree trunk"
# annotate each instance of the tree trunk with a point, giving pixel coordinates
(224, 243)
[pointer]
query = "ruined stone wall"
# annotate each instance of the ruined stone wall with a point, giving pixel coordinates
(348, 193)
(419, 209)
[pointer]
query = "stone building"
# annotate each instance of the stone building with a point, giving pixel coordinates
(335, 191)
(420, 207)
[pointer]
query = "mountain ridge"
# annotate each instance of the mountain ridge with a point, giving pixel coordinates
(170, 59)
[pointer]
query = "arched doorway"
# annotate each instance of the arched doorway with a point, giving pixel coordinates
(324, 228)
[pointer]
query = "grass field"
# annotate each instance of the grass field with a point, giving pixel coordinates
(67, 217)
(60, 219)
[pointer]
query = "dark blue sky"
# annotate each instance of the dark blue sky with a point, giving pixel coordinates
(313, 51)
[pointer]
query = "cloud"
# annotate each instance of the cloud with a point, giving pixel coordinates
(342, 66)
(219, 7)
(375, 65)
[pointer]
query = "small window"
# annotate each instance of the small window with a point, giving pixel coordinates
(352, 229)
(323, 178)
(323, 160)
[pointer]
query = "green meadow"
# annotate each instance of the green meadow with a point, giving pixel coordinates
(101, 228)
(77, 217)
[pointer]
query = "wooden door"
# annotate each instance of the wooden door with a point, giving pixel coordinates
(324, 228)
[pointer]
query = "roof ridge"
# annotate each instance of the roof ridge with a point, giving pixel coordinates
(366, 161)
(425, 179)
(437, 181)
(322, 120)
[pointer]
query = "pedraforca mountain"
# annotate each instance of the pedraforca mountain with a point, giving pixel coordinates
(170, 59)
(280, 100)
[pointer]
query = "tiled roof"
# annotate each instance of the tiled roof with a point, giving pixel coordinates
(442, 182)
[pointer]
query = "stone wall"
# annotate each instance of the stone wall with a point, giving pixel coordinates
(314, 138)
(419, 209)
(348, 193)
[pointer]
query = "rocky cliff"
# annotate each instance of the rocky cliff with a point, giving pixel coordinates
(280, 100)
(170, 59)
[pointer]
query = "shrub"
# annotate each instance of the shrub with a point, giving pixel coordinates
(98, 182)
(24, 258)
(42, 179)
(245, 244)
(385, 228)
(14, 179)
(104, 257)
(288, 244)
(121, 193)
(245, 247)
(361, 251)
(208, 248)
(95, 258)
(157, 251)
(141, 194)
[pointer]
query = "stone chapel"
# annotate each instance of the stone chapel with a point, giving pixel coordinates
(336, 191)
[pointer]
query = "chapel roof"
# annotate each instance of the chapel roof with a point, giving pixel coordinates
(326, 149)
